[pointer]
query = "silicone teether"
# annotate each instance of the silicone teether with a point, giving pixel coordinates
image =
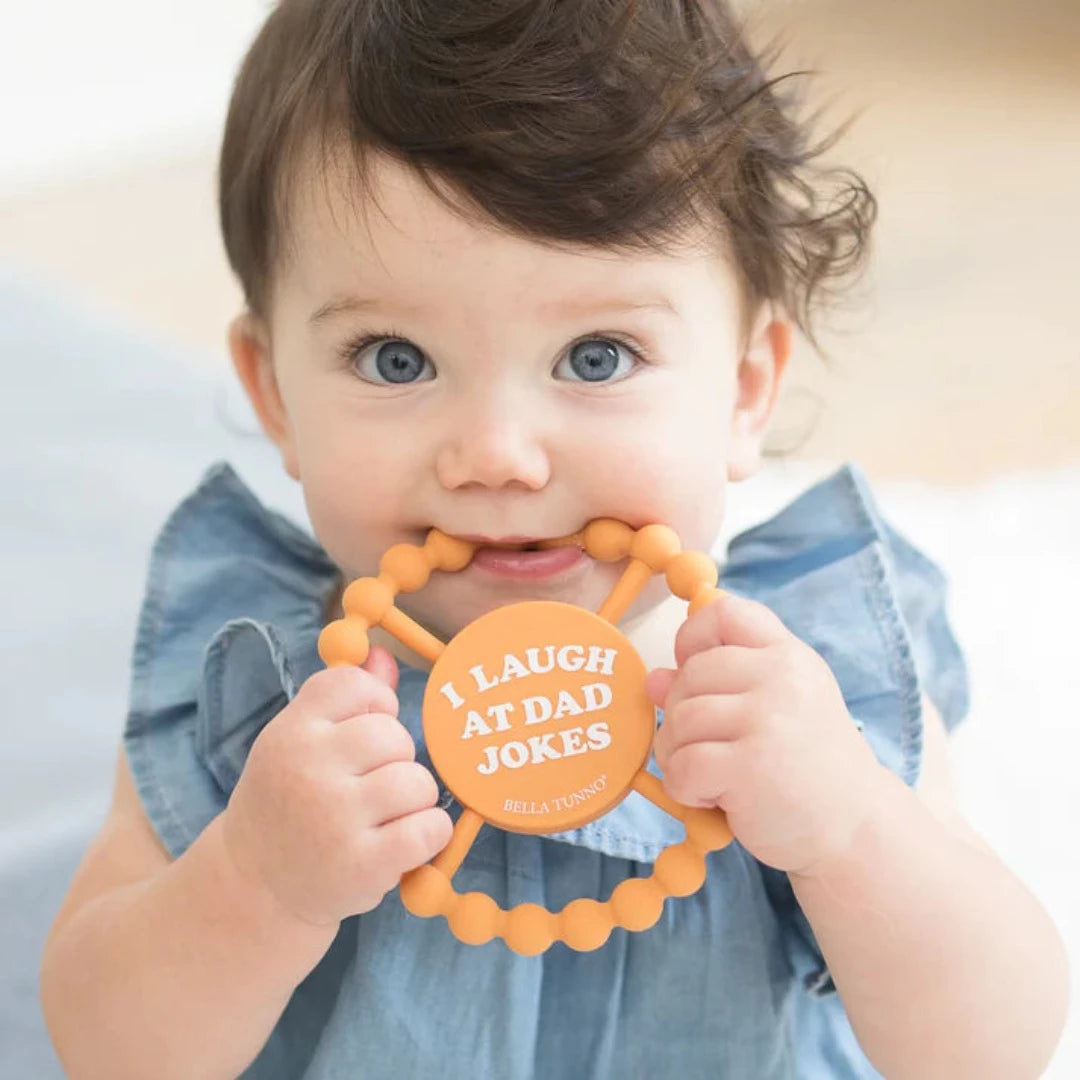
(536, 718)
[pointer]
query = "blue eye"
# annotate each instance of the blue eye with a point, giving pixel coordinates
(392, 362)
(596, 360)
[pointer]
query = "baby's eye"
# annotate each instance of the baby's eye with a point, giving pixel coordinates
(394, 362)
(596, 360)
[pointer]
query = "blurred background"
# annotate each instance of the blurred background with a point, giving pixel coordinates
(955, 382)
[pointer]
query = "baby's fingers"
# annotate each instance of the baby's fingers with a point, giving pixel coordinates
(729, 620)
(657, 684)
(368, 742)
(411, 841)
(723, 669)
(699, 774)
(709, 718)
(337, 693)
(382, 665)
(396, 790)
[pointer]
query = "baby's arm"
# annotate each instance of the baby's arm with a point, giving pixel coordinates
(182, 968)
(160, 968)
(939, 952)
(947, 966)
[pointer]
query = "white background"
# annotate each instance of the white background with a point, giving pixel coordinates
(85, 87)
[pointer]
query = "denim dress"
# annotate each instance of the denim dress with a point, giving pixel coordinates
(730, 982)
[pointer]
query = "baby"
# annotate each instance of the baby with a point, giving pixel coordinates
(511, 266)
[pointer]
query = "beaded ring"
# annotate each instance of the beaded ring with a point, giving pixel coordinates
(537, 720)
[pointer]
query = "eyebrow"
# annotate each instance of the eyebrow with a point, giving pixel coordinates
(613, 304)
(566, 308)
(345, 304)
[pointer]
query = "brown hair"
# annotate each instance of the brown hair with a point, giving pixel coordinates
(620, 123)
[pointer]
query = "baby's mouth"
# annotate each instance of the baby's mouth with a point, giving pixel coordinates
(523, 558)
(521, 544)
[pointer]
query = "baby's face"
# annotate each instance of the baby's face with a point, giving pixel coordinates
(425, 370)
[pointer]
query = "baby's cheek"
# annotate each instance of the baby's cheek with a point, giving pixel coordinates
(666, 482)
(341, 513)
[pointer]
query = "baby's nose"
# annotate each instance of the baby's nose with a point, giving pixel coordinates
(494, 449)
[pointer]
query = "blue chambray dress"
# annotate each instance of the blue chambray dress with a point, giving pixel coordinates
(729, 983)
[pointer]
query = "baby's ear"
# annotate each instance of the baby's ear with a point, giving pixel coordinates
(249, 345)
(761, 371)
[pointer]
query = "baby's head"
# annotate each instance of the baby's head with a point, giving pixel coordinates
(511, 266)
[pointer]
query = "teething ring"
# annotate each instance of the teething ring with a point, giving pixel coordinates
(536, 718)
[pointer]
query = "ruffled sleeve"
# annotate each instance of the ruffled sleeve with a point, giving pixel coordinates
(847, 583)
(227, 632)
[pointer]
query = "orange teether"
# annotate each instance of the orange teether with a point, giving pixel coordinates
(536, 718)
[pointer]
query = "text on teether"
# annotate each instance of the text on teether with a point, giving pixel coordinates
(539, 709)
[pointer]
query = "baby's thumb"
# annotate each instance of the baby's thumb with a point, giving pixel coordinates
(657, 684)
(382, 665)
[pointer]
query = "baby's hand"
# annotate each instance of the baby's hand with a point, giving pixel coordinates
(332, 808)
(755, 723)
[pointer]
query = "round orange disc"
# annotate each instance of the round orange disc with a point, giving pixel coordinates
(536, 716)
